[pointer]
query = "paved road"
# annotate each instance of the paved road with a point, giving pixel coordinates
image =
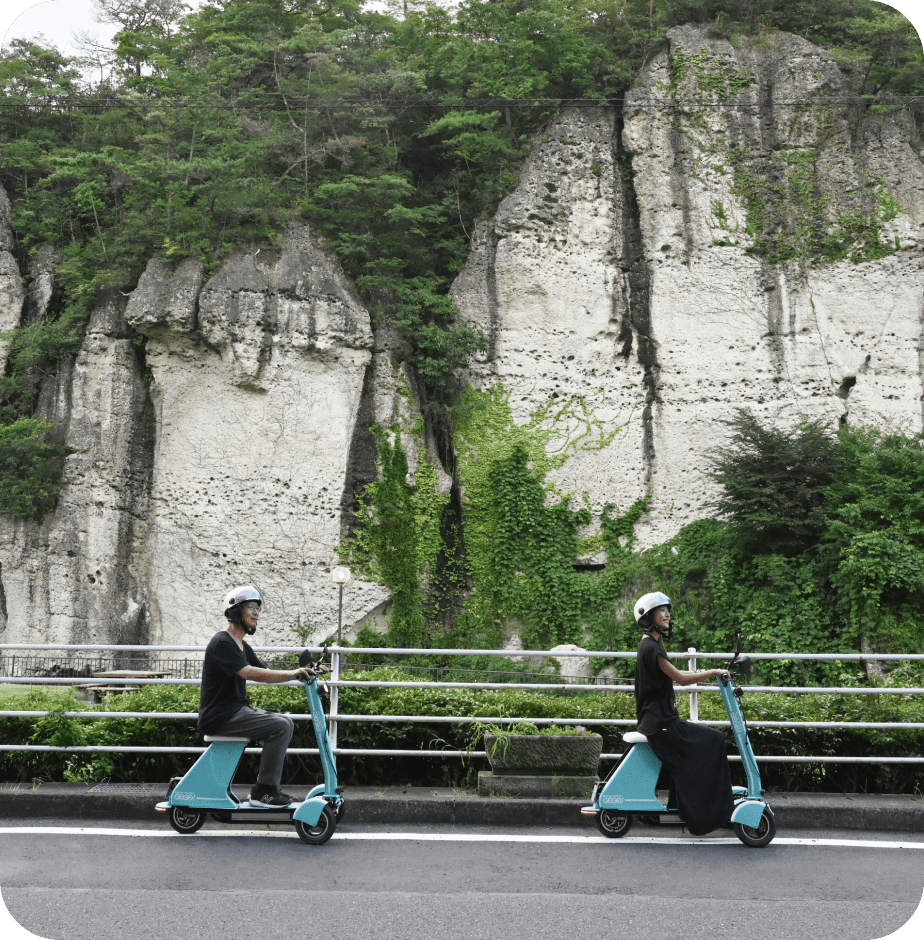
(135, 882)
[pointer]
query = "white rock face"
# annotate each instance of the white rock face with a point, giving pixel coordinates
(833, 340)
(12, 293)
(552, 281)
(78, 577)
(256, 393)
(213, 454)
(707, 327)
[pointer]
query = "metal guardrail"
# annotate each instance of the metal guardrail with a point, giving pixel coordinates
(336, 683)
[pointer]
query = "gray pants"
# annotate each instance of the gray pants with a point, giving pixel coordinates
(273, 729)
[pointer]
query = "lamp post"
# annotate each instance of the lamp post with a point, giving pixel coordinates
(340, 575)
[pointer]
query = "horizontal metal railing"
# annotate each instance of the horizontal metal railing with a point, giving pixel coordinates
(336, 683)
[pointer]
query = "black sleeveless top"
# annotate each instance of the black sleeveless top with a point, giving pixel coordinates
(655, 701)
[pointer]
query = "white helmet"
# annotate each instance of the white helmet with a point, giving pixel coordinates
(647, 603)
(238, 596)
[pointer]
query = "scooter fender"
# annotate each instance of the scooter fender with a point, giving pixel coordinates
(748, 813)
(316, 791)
(310, 811)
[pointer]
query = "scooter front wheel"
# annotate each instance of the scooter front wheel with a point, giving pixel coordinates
(761, 835)
(613, 825)
(184, 820)
(319, 833)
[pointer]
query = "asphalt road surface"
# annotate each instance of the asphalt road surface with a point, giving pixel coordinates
(129, 881)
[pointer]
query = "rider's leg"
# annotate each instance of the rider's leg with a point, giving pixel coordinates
(273, 729)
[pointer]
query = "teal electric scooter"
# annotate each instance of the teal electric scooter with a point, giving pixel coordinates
(205, 790)
(628, 791)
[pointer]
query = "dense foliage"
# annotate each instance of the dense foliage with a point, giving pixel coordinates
(818, 547)
(59, 729)
(830, 560)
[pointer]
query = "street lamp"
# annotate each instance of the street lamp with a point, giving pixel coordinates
(340, 575)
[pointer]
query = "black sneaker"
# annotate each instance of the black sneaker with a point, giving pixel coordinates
(269, 797)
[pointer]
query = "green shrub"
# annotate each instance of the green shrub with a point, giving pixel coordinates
(30, 468)
(570, 708)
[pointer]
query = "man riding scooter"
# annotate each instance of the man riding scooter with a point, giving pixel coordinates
(693, 754)
(224, 708)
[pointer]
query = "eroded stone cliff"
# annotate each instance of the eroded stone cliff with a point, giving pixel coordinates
(211, 427)
(645, 300)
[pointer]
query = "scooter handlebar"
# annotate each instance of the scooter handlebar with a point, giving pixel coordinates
(305, 661)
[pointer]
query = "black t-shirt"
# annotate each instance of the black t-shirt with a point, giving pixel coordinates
(223, 692)
(655, 702)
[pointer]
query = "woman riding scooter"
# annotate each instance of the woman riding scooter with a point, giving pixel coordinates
(693, 754)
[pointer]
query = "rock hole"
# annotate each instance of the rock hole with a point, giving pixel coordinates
(845, 386)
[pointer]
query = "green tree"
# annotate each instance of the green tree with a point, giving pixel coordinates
(874, 541)
(30, 468)
(773, 481)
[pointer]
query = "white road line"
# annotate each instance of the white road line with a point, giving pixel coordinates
(438, 837)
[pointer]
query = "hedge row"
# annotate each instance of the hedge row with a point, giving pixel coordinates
(56, 728)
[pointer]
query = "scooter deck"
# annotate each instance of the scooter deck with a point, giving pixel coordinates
(244, 812)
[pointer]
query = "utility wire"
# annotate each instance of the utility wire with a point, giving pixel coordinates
(275, 99)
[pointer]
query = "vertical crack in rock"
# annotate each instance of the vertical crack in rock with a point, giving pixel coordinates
(779, 322)
(678, 188)
(135, 623)
(492, 327)
(637, 274)
(361, 460)
(921, 359)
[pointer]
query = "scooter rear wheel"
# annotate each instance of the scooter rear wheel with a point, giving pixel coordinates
(762, 835)
(185, 820)
(613, 825)
(321, 831)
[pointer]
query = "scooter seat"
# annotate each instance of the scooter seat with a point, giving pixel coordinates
(634, 737)
(221, 737)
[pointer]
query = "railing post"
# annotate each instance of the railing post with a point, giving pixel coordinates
(694, 696)
(334, 699)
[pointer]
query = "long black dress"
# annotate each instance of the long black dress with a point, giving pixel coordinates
(693, 754)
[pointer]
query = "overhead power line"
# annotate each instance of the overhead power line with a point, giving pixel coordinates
(276, 99)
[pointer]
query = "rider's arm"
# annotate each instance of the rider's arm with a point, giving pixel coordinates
(259, 674)
(681, 677)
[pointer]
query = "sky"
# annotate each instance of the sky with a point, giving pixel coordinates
(58, 20)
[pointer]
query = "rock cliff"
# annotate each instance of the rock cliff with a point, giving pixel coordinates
(211, 425)
(741, 233)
